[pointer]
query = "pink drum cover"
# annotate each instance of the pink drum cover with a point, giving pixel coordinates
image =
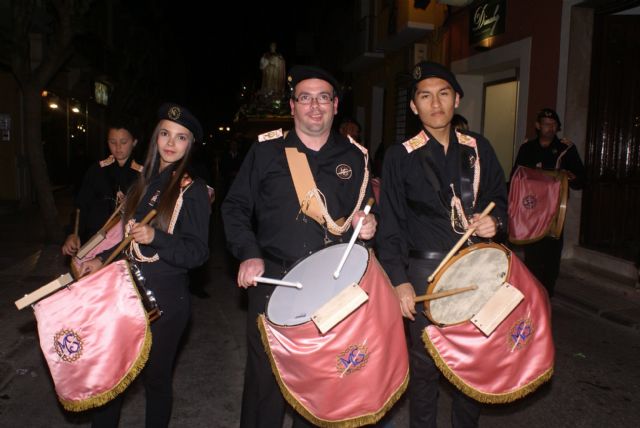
(513, 361)
(113, 237)
(534, 198)
(95, 337)
(355, 372)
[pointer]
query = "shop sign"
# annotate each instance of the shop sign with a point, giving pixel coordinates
(486, 19)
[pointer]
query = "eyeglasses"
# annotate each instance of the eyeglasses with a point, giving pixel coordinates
(323, 98)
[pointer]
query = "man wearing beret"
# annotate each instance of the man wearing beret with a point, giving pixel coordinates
(433, 188)
(268, 228)
(549, 152)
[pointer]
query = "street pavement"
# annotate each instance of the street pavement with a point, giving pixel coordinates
(209, 371)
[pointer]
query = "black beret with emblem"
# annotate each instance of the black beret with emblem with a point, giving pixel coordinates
(180, 115)
(298, 73)
(425, 69)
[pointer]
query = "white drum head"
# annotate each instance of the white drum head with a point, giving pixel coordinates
(292, 306)
(486, 267)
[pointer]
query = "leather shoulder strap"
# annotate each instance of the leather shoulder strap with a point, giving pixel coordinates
(304, 183)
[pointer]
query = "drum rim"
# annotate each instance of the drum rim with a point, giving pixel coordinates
(458, 256)
(296, 263)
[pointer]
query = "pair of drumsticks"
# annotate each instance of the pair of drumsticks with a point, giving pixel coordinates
(446, 258)
(423, 298)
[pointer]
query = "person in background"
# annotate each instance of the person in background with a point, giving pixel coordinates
(429, 198)
(165, 250)
(351, 128)
(266, 229)
(547, 151)
(104, 186)
(459, 123)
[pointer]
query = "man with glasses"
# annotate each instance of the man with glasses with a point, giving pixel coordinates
(268, 228)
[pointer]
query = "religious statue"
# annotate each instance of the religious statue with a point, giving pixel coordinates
(273, 74)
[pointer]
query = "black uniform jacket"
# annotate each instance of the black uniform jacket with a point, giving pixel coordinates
(97, 196)
(261, 212)
(414, 215)
(187, 247)
(533, 155)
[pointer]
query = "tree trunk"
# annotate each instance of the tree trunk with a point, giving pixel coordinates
(37, 164)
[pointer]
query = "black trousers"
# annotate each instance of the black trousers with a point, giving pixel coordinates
(542, 258)
(172, 294)
(262, 402)
(424, 375)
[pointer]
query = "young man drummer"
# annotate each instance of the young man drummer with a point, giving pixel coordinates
(266, 228)
(433, 188)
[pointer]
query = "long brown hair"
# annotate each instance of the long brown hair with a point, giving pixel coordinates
(169, 194)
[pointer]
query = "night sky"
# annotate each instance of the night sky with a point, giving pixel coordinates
(231, 41)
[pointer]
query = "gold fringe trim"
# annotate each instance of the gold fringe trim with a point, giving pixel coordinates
(104, 397)
(474, 393)
(293, 402)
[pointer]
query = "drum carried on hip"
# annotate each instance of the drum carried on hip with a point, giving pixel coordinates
(94, 333)
(537, 204)
(328, 377)
(95, 337)
(494, 343)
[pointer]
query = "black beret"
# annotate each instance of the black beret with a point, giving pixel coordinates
(551, 114)
(425, 69)
(298, 73)
(180, 115)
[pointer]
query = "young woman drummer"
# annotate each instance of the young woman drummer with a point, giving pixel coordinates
(174, 242)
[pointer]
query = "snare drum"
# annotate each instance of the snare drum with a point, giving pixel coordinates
(537, 204)
(483, 265)
(518, 356)
(329, 378)
(95, 337)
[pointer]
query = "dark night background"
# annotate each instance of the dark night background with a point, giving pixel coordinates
(205, 51)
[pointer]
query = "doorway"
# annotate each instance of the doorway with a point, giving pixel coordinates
(499, 120)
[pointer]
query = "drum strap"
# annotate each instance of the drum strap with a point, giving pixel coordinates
(311, 199)
(465, 168)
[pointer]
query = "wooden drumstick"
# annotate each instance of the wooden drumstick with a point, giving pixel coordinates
(76, 226)
(452, 292)
(272, 281)
(460, 242)
(113, 215)
(150, 215)
(356, 231)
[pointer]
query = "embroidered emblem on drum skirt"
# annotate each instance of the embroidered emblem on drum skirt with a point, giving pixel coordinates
(529, 201)
(520, 334)
(68, 345)
(354, 358)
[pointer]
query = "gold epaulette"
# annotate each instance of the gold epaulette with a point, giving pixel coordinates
(416, 142)
(108, 161)
(136, 166)
(186, 181)
(465, 139)
(271, 135)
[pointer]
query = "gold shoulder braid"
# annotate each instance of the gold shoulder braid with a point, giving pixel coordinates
(134, 248)
(332, 225)
(459, 219)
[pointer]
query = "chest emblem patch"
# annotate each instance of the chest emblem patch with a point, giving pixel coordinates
(344, 171)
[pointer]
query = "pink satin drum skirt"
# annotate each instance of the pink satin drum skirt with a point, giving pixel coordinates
(95, 337)
(355, 372)
(513, 361)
